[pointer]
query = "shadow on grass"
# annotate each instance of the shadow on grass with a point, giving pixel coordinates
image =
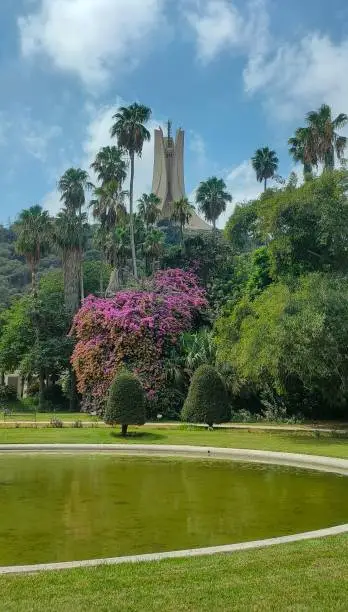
(146, 436)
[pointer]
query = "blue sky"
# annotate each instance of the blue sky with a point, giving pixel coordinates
(235, 74)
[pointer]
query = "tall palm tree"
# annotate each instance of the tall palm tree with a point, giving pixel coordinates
(131, 133)
(149, 208)
(108, 205)
(153, 248)
(326, 140)
(72, 186)
(110, 165)
(33, 231)
(265, 163)
(182, 213)
(69, 240)
(212, 199)
(119, 251)
(302, 149)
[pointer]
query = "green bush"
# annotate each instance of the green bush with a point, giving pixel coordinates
(126, 402)
(7, 394)
(207, 400)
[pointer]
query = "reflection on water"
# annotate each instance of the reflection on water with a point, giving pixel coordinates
(60, 508)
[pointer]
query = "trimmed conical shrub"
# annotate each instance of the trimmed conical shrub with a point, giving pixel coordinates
(207, 400)
(126, 402)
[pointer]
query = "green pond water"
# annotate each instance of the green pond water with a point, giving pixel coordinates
(63, 507)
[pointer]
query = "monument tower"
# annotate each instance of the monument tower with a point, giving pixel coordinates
(168, 174)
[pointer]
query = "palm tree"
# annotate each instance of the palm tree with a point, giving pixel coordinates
(109, 205)
(69, 240)
(326, 140)
(212, 199)
(109, 165)
(119, 250)
(265, 163)
(33, 231)
(149, 208)
(182, 213)
(72, 186)
(153, 248)
(131, 133)
(302, 149)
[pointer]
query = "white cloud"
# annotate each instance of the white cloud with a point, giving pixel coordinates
(37, 138)
(91, 37)
(242, 185)
(51, 202)
(219, 25)
(302, 76)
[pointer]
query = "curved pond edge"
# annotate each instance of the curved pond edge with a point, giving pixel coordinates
(312, 462)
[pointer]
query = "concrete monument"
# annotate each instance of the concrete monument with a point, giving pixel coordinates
(168, 175)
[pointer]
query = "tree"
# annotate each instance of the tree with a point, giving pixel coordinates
(126, 402)
(293, 338)
(118, 251)
(131, 133)
(34, 334)
(182, 213)
(212, 199)
(207, 400)
(153, 248)
(72, 186)
(110, 165)
(69, 238)
(265, 163)
(149, 208)
(108, 205)
(302, 149)
(33, 231)
(326, 141)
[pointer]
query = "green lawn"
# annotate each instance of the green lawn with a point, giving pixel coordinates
(310, 575)
(332, 445)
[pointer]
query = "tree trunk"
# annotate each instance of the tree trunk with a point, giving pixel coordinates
(71, 275)
(41, 389)
(131, 219)
(73, 397)
(114, 283)
(124, 429)
(2, 377)
(33, 281)
(82, 289)
(101, 278)
(265, 187)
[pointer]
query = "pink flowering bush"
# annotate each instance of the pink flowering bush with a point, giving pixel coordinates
(136, 329)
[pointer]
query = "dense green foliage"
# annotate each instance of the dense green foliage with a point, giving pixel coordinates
(285, 333)
(207, 400)
(126, 402)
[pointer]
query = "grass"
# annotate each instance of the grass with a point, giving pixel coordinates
(332, 445)
(304, 576)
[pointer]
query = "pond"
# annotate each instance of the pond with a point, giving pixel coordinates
(71, 507)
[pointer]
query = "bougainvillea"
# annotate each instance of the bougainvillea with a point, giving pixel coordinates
(136, 329)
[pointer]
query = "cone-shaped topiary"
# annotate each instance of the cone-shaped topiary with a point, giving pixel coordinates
(207, 400)
(126, 402)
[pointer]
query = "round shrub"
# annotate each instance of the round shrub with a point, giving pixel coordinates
(126, 402)
(207, 400)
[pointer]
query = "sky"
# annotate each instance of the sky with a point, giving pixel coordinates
(236, 75)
